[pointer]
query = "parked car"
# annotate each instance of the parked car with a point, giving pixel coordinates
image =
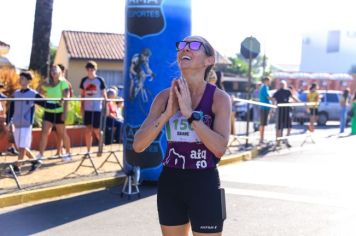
(329, 107)
(240, 109)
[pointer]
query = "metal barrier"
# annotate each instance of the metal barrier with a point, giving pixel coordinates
(107, 137)
(244, 138)
(281, 116)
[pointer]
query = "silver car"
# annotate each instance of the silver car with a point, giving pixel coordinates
(329, 107)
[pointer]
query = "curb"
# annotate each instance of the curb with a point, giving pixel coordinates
(52, 192)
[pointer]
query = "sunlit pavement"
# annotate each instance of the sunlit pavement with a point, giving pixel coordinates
(306, 190)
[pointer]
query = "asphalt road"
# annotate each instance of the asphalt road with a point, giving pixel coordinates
(307, 190)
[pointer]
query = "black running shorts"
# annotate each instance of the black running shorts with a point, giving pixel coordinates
(92, 118)
(191, 196)
(313, 111)
(284, 119)
(54, 118)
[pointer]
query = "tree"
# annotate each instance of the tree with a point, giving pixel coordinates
(239, 66)
(52, 55)
(40, 52)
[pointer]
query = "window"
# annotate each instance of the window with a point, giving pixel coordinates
(332, 97)
(333, 43)
(111, 77)
(303, 96)
(306, 40)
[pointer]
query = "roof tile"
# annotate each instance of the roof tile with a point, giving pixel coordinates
(94, 45)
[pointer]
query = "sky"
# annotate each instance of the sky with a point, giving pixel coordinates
(277, 24)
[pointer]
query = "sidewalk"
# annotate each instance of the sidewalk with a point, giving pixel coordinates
(56, 170)
(56, 177)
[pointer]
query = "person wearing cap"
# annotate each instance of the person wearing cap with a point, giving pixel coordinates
(21, 117)
(92, 86)
(139, 70)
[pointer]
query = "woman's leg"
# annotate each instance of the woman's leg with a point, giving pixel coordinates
(178, 230)
(62, 136)
(59, 145)
(66, 141)
(206, 234)
(46, 130)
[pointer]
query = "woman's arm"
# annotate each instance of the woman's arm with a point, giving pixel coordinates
(65, 94)
(110, 110)
(164, 106)
(216, 139)
(153, 124)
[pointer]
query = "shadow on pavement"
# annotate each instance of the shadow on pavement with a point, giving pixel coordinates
(34, 219)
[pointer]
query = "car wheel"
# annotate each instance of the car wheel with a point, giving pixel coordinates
(323, 118)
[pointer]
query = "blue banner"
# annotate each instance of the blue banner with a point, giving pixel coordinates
(152, 28)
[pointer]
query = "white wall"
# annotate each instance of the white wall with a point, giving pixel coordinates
(315, 57)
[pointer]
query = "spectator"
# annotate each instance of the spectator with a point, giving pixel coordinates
(92, 86)
(114, 119)
(219, 84)
(264, 97)
(55, 88)
(256, 108)
(21, 116)
(3, 129)
(344, 103)
(212, 77)
(313, 96)
(219, 77)
(284, 120)
(353, 115)
(66, 136)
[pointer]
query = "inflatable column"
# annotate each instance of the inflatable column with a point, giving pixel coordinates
(152, 28)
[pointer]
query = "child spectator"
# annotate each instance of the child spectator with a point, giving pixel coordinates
(92, 86)
(21, 119)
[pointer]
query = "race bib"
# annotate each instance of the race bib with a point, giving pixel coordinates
(178, 129)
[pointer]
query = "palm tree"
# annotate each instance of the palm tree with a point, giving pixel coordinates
(41, 37)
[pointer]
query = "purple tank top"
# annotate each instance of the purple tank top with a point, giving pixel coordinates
(185, 150)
